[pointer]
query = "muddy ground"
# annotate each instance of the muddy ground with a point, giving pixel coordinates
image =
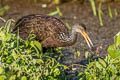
(74, 12)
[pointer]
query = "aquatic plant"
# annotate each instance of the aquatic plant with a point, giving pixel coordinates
(24, 59)
(3, 10)
(99, 10)
(107, 68)
(114, 49)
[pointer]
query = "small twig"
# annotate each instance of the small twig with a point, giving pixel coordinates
(2, 19)
(76, 65)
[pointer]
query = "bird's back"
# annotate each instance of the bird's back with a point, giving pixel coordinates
(41, 25)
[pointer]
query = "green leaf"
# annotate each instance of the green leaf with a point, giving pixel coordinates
(117, 39)
(18, 38)
(113, 52)
(59, 49)
(6, 7)
(68, 26)
(18, 65)
(93, 7)
(24, 78)
(31, 36)
(100, 14)
(116, 12)
(99, 66)
(53, 13)
(7, 25)
(81, 73)
(7, 37)
(39, 61)
(110, 12)
(56, 72)
(13, 77)
(2, 10)
(102, 62)
(9, 60)
(38, 45)
(1, 70)
(2, 36)
(26, 43)
(15, 56)
(66, 67)
(46, 72)
(114, 77)
(59, 12)
(2, 77)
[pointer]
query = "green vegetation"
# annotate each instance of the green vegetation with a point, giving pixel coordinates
(56, 12)
(114, 49)
(24, 59)
(100, 14)
(3, 10)
(103, 69)
(93, 7)
(99, 10)
(107, 68)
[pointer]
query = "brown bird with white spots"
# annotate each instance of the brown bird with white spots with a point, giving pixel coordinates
(50, 31)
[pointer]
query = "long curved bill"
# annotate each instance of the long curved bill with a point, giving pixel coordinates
(88, 40)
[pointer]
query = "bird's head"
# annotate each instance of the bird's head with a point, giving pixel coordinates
(80, 28)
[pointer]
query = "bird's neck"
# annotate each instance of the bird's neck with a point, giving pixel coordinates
(71, 37)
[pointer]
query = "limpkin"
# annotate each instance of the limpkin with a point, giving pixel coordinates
(50, 31)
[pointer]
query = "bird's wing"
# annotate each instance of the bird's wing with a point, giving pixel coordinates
(40, 25)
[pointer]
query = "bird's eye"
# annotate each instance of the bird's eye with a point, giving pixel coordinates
(83, 25)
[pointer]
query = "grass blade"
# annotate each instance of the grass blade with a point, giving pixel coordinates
(68, 26)
(110, 12)
(116, 12)
(18, 39)
(56, 12)
(2, 19)
(92, 2)
(7, 25)
(59, 12)
(100, 14)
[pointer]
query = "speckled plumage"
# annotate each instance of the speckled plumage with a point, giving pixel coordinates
(50, 31)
